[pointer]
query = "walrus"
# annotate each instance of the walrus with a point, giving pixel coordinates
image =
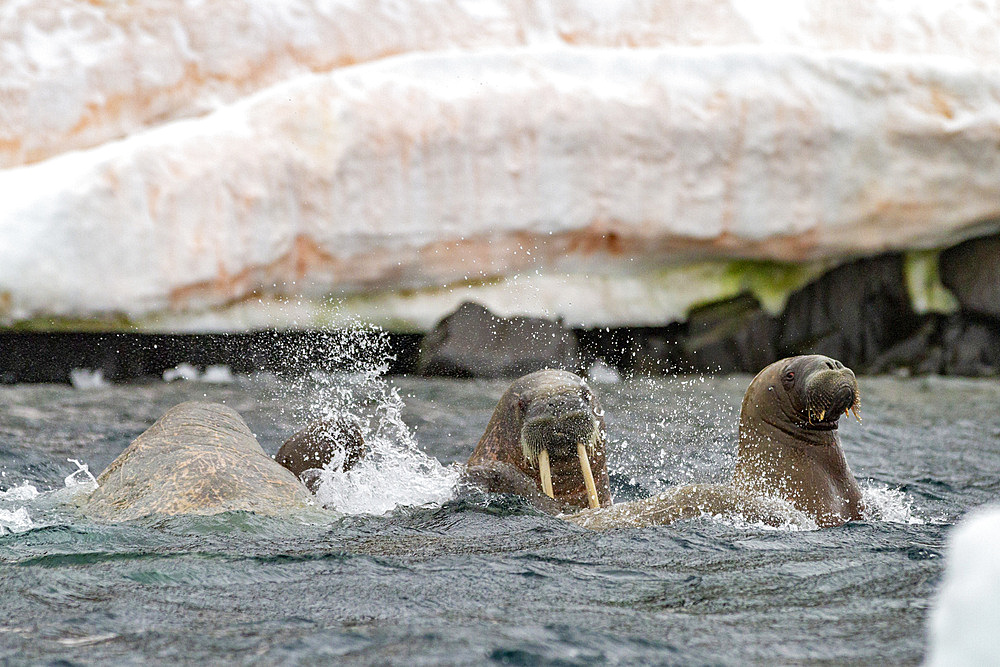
(198, 458)
(546, 441)
(789, 456)
(332, 440)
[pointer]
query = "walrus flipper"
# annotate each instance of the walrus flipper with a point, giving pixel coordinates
(499, 477)
(689, 502)
(198, 458)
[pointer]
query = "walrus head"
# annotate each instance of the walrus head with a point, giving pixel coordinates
(550, 425)
(788, 443)
(809, 392)
(333, 439)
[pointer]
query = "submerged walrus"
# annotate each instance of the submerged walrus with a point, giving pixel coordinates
(789, 454)
(198, 458)
(546, 440)
(332, 440)
(201, 458)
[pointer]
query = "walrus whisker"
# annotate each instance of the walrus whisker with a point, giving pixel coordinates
(822, 414)
(529, 451)
(545, 473)
(857, 413)
(588, 475)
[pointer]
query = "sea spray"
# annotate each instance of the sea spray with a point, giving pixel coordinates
(884, 503)
(348, 380)
(670, 431)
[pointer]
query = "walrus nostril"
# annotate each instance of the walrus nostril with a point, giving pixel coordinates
(844, 397)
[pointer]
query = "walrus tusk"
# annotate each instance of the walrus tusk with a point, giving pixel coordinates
(545, 473)
(857, 413)
(588, 476)
(822, 413)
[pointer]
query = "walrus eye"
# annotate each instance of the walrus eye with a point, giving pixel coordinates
(789, 376)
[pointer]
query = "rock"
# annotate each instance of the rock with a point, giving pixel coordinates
(473, 342)
(971, 270)
(920, 353)
(970, 348)
(730, 336)
(853, 313)
(419, 175)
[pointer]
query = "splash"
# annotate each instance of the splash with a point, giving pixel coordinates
(349, 381)
(80, 479)
(673, 430)
(16, 501)
(883, 503)
(15, 519)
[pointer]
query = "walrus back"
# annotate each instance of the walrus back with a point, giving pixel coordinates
(198, 458)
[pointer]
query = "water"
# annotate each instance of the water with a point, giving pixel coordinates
(451, 578)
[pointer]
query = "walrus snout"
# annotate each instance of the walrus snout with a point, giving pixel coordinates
(557, 429)
(558, 424)
(830, 392)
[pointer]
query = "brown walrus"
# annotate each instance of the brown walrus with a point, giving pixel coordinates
(201, 458)
(789, 454)
(307, 452)
(546, 440)
(198, 458)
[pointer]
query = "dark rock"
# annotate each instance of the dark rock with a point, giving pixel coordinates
(473, 342)
(122, 357)
(853, 313)
(637, 350)
(655, 354)
(732, 335)
(971, 270)
(970, 347)
(920, 353)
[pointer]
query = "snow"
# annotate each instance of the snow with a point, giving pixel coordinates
(320, 161)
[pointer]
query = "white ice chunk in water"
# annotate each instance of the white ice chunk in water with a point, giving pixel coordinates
(965, 622)
(218, 374)
(182, 371)
(87, 378)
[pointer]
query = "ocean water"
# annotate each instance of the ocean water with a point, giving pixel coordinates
(414, 572)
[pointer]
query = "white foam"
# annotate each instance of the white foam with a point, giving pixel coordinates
(15, 518)
(965, 621)
(20, 493)
(394, 473)
(883, 503)
(16, 521)
(398, 477)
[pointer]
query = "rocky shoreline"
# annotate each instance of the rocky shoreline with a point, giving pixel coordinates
(860, 312)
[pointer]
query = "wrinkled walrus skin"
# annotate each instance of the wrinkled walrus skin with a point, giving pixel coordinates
(790, 465)
(198, 458)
